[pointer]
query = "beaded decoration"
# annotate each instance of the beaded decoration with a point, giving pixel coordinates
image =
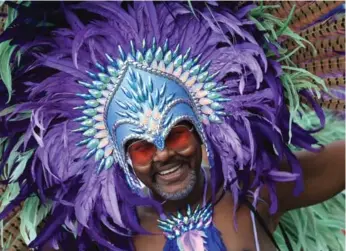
(137, 95)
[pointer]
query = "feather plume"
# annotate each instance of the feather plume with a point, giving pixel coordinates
(242, 44)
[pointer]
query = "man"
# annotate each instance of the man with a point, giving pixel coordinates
(121, 102)
(175, 193)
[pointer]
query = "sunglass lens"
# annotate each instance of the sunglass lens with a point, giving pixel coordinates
(179, 138)
(141, 152)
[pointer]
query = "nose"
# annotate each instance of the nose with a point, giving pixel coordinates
(162, 155)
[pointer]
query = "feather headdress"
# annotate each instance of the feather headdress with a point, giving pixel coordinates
(61, 44)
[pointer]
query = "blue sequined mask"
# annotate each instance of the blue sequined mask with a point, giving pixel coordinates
(142, 95)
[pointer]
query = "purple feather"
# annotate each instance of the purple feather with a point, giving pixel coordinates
(110, 197)
(82, 32)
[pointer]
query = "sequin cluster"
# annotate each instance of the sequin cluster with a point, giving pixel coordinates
(175, 226)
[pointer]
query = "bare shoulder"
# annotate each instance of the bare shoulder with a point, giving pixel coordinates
(323, 174)
(150, 242)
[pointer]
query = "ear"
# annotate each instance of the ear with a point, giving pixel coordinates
(205, 160)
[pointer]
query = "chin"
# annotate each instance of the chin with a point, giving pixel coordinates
(178, 194)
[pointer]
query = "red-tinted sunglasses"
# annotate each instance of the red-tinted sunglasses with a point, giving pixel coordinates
(142, 152)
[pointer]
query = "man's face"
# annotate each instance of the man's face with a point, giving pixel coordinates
(173, 172)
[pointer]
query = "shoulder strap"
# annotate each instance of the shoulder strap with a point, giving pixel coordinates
(266, 229)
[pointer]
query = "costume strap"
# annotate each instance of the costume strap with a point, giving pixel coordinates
(265, 227)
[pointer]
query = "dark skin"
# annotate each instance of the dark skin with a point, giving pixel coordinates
(192, 155)
(223, 217)
(323, 174)
(324, 177)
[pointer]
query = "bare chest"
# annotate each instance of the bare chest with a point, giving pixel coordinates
(240, 239)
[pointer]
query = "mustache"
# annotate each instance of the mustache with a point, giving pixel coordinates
(157, 165)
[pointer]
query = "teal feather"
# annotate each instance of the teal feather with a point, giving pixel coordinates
(31, 216)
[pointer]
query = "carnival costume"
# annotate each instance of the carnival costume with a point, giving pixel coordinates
(80, 80)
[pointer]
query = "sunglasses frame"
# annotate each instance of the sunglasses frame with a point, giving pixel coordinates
(177, 126)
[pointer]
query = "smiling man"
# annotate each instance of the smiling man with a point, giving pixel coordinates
(171, 174)
(157, 126)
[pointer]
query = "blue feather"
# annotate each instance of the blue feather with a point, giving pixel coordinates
(214, 241)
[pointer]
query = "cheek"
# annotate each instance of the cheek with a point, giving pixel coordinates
(142, 172)
(189, 151)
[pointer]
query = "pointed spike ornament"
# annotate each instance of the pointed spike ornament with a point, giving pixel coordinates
(85, 84)
(101, 165)
(143, 44)
(150, 85)
(195, 70)
(120, 62)
(176, 51)
(139, 56)
(90, 153)
(149, 56)
(79, 119)
(83, 142)
(88, 123)
(187, 65)
(84, 96)
(178, 61)
(196, 59)
(211, 77)
(92, 103)
(214, 118)
(112, 71)
(99, 154)
(208, 86)
(168, 57)
(121, 53)
(91, 75)
(187, 54)
(93, 143)
(133, 49)
(100, 67)
(216, 106)
(109, 58)
(95, 93)
(103, 77)
(202, 76)
(90, 132)
(81, 129)
(99, 84)
(109, 162)
(158, 54)
(213, 95)
(153, 45)
(206, 66)
(165, 46)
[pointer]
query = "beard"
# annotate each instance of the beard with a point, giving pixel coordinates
(183, 193)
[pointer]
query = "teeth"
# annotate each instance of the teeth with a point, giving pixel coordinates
(169, 170)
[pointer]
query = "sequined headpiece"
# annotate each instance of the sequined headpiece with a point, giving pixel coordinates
(141, 96)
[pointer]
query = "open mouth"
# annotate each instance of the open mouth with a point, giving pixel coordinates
(176, 172)
(169, 171)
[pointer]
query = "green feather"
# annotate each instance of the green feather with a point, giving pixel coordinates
(22, 161)
(31, 216)
(7, 110)
(316, 227)
(6, 51)
(11, 192)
